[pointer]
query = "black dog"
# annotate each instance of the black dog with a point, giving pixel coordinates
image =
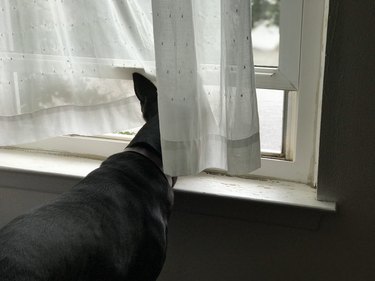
(110, 226)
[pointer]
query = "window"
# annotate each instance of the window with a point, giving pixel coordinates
(289, 39)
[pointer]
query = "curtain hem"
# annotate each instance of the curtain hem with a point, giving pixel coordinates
(237, 157)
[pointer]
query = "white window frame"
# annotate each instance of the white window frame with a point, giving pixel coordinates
(301, 74)
(303, 25)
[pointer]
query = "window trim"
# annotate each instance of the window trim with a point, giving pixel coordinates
(58, 173)
(302, 121)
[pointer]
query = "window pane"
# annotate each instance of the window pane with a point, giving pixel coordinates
(271, 107)
(265, 32)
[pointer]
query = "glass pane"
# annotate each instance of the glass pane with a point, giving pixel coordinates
(271, 107)
(265, 32)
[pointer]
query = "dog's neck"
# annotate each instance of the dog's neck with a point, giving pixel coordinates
(147, 143)
(149, 154)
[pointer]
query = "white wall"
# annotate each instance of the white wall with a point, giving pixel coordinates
(14, 202)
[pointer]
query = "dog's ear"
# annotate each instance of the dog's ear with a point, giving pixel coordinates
(147, 94)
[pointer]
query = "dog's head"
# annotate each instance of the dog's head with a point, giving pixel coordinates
(148, 137)
(147, 95)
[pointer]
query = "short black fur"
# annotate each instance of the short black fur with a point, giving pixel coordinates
(110, 226)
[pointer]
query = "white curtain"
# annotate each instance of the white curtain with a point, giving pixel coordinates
(207, 99)
(65, 66)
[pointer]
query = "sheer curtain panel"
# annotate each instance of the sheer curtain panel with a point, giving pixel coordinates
(207, 99)
(65, 66)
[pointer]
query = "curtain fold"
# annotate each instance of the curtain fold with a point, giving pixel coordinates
(207, 99)
(61, 61)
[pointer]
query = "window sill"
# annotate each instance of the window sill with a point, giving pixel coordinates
(269, 201)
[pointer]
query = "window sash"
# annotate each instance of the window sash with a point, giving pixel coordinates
(286, 75)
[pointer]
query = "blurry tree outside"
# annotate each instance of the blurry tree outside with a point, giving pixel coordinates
(266, 38)
(266, 11)
(265, 32)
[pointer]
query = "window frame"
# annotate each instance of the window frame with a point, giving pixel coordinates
(286, 75)
(300, 71)
(304, 78)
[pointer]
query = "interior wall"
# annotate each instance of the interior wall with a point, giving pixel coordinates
(343, 248)
(14, 202)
